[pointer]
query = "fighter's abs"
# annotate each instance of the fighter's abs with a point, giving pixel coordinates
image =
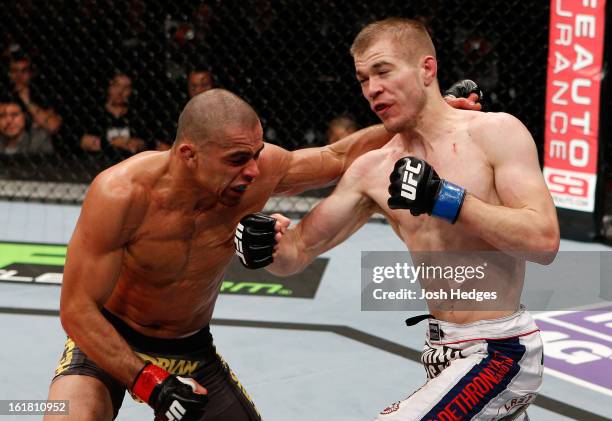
(170, 278)
(163, 262)
(168, 247)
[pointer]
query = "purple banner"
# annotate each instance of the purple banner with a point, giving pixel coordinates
(579, 354)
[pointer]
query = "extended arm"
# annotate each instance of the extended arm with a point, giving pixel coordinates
(310, 168)
(526, 221)
(332, 221)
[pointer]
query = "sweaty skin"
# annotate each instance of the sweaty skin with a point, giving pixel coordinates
(155, 233)
(179, 253)
(153, 251)
(508, 208)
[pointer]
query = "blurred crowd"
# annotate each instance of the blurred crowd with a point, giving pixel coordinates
(31, 122)
(43, 110)
(107, 78)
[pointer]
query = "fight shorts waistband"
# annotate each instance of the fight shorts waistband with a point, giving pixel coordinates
(515, 325)
(200, 341)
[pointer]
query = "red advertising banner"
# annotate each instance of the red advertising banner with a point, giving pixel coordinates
(571, 134)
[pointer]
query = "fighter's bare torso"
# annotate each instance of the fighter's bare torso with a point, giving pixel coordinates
(175, 258)
(459, 156)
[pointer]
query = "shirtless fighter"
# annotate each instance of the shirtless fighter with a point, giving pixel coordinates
(146, 260)
(459, 181)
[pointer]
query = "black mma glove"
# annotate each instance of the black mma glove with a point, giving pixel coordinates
(463, 89)
(172, 398)
(416, 186)
(254, 240)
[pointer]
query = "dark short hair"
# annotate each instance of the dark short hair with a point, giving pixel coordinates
(7, 98)
(200, 69)
(18, 54)
(10, 99)
(119, 72)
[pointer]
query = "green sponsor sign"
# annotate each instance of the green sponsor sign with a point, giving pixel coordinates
(44, 264)
(41, 254)
(229, 287)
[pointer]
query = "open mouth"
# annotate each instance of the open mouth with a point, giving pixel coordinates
(381, 107)
(240, 189)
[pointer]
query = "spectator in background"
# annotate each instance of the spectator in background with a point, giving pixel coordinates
(17, 134)
(115, 129)
(199, 80)
(340, 127)
(33, 102)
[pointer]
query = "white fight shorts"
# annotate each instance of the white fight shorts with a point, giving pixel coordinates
(486, 370)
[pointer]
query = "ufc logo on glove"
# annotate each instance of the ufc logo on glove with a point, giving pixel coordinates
(415, 185)
(254, 240)
(408, 182)
(175, 412)
(238, 243)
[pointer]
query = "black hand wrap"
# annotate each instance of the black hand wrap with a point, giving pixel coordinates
(463, 89)
(254, 240)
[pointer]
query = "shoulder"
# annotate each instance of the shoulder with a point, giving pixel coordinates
(273, 152)
(114, 185)
(495, 126)
(112, 212)
(120, 187)
(39, 140)
(370, 162)
(504, 140)
(274, 159)
(501, 135)
(38, 134)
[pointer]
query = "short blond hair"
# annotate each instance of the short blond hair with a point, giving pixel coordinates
(410, 37)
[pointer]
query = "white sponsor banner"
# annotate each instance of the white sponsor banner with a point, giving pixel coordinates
(571, 189)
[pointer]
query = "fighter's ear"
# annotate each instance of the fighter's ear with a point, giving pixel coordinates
(429, 67)
(187, 152)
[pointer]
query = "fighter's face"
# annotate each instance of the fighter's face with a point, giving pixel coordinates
(12, 120)
(391, 84)
(230, 164)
